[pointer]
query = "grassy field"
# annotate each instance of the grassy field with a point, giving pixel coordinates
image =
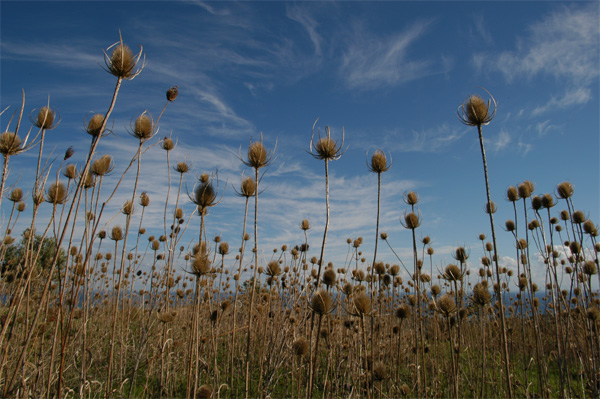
(83, 314)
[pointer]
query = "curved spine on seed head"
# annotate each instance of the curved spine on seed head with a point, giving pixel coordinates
(121, 62)
(325, 147)
(379, 163)
(474, 111)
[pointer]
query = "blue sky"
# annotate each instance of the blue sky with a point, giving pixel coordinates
(391, 75)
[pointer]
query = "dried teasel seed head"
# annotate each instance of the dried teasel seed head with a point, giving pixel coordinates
(565, 190)
(300, 347)
(128, 208)
(512, 194)
(45, 118)
(116, 233)
(16, 195)
(70, 171)
(411, 198)
(403, 312)
(490, 207)
(589, 268)
(144, 199)
(548, 201)
(446, 305)
(329, 277)
(258, 156)
(452, 273)
(321, 302)
(167, 144)
(305, 225)
(204, 392)
(461, 254)
(526, 189)
(248, 187)
(182, 167)
(172, 93)
(481, 295)
(536, 203)
(57, 193)
(378, 162)
(590, 228)
(578, 217)
(95, 124)
(121, 62)
(411, 221)
(362, 303)
(143, 128)
(102, 165)
(10, 144)
(476, 110)
(510, 225)
(204, 195)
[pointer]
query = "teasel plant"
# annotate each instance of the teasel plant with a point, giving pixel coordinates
(247, 191)
(124, 66)
(475, 111)
(258, 158)
(412, 221)
(379, 165)
(204, 197)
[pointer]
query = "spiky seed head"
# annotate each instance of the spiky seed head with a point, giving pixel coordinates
(182, 167)
(461, 254)
(536, 202)
(378, 162)
(122, 62)
(379, 371)
(329, 277)
(95, 124)
(575, 247)
(305, 225)
(446, 305)
(143, 127)
(578, 217)
(430, 251)
(481, 295)
(102, 234)
(273, 269)
(321, 302)
(403, 312)
(70, 171)
(45, 118)
(589, 268)
(204, 392)
(548, 201)
(88, 180)
(16, 195)
(172, 93)
(168, 144)
(144, 199)
(204, 195)
(57, 193)
(116, 233)
(522, 283)
(201, 264)
(394, 270)
(326, 148)
(128, 208)
(411, 198)
(379, 268)
(510, 225)
(300, 347)
(490, 207)
(565, 190)
(412, 221)
(362, 303)
(512, 194)
(223, 248)
(590, 228)
(526, 189)
(10, 143)
(593, 314)
(476, 111)
(257, 155)
(453, 273)
(102, 165)
(435, 290)
(248, 187)
(155, 245)
(20, 206)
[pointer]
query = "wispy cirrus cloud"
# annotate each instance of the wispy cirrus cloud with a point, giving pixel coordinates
(308, 22)
(563, 45)
(432, 139)
(370, 62)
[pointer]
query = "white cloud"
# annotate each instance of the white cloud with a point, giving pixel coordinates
(501, 141)
(427, 140)
(301, 16)
(563, 44)
(572, 97)
(371, 62)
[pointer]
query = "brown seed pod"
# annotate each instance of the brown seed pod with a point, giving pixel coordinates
(378, 162)
(143, 127)
(116, 234)
(182, 167)
(411, 221)
(172, 93)
(321, 302)
(300, 347)
(10, 144)
(362, 304)
(57, 193)
(474, 111)
(565, 190)
(446, 305)
(16, 195)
